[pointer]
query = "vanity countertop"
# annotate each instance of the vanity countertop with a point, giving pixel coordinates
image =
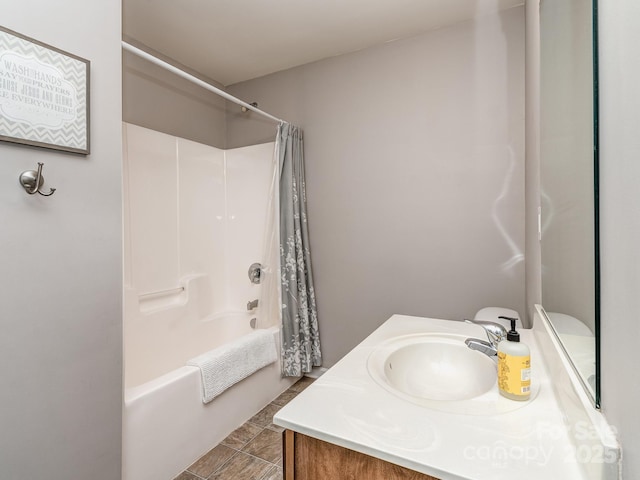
(346, 407)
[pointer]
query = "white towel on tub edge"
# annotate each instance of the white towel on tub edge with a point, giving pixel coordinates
(228, 364)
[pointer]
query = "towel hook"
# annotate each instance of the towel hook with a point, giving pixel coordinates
(33, 180)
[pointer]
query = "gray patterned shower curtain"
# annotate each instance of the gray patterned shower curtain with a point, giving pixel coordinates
(300, 336)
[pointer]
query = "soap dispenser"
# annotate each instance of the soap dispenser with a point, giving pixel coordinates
(514, 366)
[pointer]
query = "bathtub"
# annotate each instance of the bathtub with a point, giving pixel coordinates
(166, 427)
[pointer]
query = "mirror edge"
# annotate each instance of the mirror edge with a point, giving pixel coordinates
(596, 206)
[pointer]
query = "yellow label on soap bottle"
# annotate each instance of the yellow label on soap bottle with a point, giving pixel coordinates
(514, 374)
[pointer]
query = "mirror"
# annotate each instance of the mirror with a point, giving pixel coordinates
(569, 180)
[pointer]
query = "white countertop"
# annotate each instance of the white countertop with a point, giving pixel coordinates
(347, 408)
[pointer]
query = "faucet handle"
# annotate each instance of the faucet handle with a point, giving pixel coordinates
(495, 332)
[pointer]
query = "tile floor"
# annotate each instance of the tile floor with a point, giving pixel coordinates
(252, 452)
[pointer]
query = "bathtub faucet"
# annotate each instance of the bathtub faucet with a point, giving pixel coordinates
(252, 304)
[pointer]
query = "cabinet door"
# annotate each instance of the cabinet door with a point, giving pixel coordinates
(307, 458)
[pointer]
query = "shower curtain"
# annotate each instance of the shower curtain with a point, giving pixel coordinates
(300, 336)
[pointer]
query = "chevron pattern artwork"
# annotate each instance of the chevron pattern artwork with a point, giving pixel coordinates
(43, 95)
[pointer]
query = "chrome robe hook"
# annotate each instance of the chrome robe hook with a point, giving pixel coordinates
(33, 180)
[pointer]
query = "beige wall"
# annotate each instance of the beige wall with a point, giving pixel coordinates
(620, 222)
(61, 287)
(415, 174)
(155, 98)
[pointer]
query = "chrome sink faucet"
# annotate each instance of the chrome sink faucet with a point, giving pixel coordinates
(495, 333)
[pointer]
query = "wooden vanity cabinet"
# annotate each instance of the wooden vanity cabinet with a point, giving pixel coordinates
(307, 458)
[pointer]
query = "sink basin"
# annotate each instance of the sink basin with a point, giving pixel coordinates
(439, 368)
(439, 371)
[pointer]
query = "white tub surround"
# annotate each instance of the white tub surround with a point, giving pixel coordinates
(348, 408)
(194, 220)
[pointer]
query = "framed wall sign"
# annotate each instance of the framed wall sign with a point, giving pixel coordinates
(44, 95)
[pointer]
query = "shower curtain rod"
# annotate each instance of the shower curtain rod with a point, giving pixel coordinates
(197, 81)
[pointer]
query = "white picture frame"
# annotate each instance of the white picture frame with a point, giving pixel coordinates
(44, 95)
